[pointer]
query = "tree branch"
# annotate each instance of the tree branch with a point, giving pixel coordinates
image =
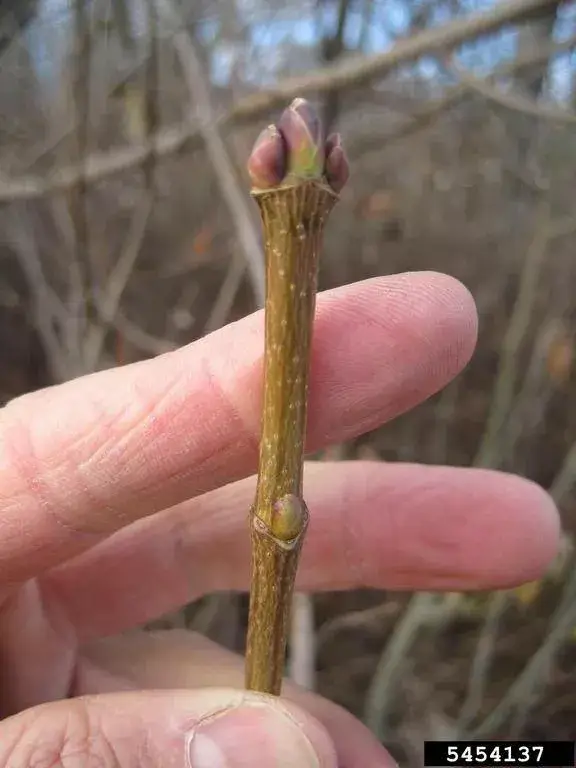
(515, 102)
(353, 71)
(200, 102)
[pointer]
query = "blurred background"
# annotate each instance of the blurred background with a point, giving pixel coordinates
(126, 230)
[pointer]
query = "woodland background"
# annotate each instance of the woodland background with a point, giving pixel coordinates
(126, 230)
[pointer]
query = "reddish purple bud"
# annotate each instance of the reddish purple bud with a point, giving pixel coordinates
(267, 161)
(302, 131)
(337, 169)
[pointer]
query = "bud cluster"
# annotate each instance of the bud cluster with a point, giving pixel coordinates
(295, 149)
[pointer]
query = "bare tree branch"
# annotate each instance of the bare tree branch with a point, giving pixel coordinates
(423, 116)
(235, 198)
(351, 72)
(516, 102)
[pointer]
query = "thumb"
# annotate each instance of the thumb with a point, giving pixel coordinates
(205, 728)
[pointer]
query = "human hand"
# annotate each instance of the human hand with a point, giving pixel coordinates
(124, 495)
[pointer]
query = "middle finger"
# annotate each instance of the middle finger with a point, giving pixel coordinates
(80, 461)
(386, 526)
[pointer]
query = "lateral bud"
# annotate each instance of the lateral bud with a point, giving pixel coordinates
(267, 162)
(337, 169)
(289, 518)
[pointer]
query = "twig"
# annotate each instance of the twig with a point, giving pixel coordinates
(253, 259)
(292, 170)
(515, 102)
(350, 73)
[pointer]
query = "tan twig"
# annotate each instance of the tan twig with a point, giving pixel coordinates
(293, 218)
(350, 73)
(302, 655)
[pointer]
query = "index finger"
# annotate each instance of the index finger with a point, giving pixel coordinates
(82, 460)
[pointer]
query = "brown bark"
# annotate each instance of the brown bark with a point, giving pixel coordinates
(293, 218)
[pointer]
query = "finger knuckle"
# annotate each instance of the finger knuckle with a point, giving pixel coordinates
(35, 474)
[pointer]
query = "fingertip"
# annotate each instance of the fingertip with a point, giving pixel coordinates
(385, 344)
(515, 533)
(451, 309)
(537, 532)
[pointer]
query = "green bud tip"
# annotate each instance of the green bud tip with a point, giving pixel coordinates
(302, 131)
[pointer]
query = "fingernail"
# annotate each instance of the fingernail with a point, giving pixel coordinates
(250, 735)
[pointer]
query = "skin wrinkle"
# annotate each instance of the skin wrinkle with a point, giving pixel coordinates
(246, 435)
(99, 425)
(29, 469)
(43, 750)
(146, 432)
